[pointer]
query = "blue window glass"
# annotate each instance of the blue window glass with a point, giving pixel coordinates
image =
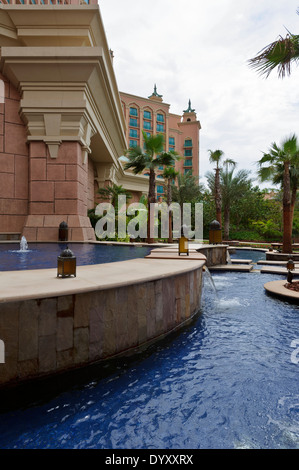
(187, 171)
(147, 125)
(188, 162)
(171, 141)
(133, 122)
(133, 143)
(160, 128)
(147, 115)
(188, 152)
(160, 189)
(160, 117)
(160, 176)
(160, 167)
(133, 112)
(133, 133)
(188, 143)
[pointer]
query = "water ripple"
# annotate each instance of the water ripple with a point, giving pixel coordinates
(226, 382)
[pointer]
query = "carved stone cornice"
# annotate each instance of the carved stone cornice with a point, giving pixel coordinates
(66, 96)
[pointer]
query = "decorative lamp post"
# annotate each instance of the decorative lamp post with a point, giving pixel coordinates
(66, 264)
(63, 232)
(215, 234)
(290, 268)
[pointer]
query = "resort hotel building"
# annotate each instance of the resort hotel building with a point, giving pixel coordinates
(64, 125)
(152, 116)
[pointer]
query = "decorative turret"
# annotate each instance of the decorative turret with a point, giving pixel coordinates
(189, 110)
(189, 113)
(155, 95)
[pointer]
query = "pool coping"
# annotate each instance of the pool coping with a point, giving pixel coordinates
(43, 283)
(277, 288)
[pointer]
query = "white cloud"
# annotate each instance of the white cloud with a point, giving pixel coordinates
(199, 50)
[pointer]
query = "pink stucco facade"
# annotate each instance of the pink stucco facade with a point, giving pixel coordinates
(152, 115)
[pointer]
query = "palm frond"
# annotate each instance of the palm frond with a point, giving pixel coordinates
(215, 156)
(279, 54)
(170, 173)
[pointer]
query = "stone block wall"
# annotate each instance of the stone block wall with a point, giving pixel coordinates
(215, 254)
(50, 335)
(13, 161)
(58, 192)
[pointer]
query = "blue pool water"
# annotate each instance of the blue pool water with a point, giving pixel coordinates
(254, 255)
(44, 255)
(230, 380)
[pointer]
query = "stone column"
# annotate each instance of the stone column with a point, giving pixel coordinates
(58, 190)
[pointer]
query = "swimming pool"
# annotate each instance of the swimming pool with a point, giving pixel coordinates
(254, 255)
(44, 255)
(227, 381)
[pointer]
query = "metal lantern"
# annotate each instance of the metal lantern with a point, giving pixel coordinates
(183, 246)
(66, 264)
(215, 234)
(290, 268)
(63, 232)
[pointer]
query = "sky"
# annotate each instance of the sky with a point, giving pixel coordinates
(199, 50)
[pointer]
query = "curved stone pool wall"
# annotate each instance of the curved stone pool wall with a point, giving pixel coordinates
(50, 325)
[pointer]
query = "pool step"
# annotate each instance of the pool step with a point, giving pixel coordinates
(275, 263)
(241, 261)
(245, 268)
(278, 270)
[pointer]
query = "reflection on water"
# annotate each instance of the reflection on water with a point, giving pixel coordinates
(44, 255)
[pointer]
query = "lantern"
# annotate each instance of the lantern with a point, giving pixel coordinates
(215, 235)
(183, 246)
(63, 232)
(66, 264)
(290, 267)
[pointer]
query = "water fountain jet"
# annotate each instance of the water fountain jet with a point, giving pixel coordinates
(23, 244)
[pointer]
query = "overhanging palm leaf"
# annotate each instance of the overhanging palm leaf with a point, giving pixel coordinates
(279, 54)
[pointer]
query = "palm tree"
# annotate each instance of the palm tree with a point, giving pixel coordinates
(275, 174)
(282, 162)
(150, 158)
(232, 187)
(187, 190)
(170, 176)
(112, 193)
(215, 157)
(279, 54)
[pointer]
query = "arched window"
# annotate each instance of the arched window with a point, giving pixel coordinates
(148, 120)
(160, 121)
